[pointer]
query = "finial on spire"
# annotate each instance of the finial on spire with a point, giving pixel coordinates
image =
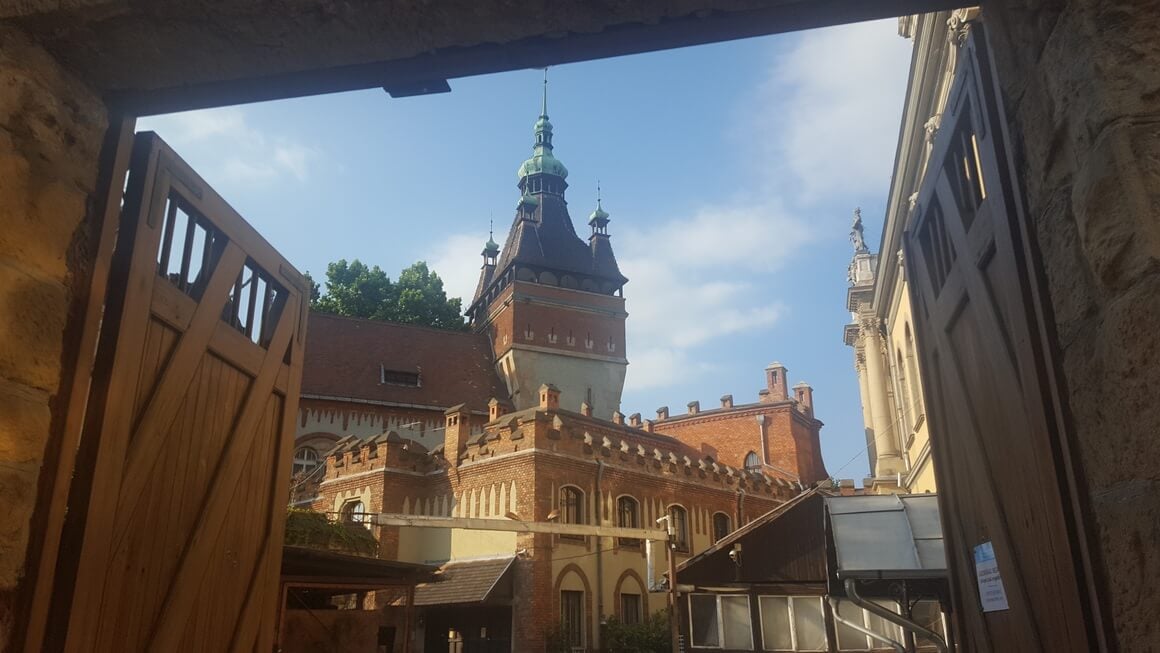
(491, 227)
(544, 109)
(598, 193)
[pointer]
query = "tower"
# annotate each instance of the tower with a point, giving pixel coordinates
(552, 304)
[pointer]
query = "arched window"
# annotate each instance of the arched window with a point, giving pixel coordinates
(628, 516)
(305, 460)
(908, 415)
(722, 526)
(355, 512)
(680, 523)
(912, 374)
(752, 462)
(571, 509)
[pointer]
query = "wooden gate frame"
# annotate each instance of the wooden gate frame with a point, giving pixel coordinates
(85, 463)
(1043, 346)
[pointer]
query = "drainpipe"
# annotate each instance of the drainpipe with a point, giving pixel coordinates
(893, 617)
(599, 553)
(862, 629)
(761, 436)
(740, 510)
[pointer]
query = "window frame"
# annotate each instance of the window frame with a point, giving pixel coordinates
(728, 526)
(563, 516)
(580, 622)
(721, 621)
(794, 643)
(304, 464)
(755, 465)
(350, 516)
(627, 542)
(638, 616)
(681, 536)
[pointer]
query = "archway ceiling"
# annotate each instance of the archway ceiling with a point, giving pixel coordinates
(154, 56)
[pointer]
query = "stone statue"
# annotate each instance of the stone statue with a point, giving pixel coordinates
(856, 236)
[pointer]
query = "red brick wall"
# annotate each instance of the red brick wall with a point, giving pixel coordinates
(728, 435)
(513, 321)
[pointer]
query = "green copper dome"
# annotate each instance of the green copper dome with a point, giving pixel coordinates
(491, 247)
(599, 214)
(528, 200)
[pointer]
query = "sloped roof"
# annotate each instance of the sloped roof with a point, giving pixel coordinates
(343, 358)
(887, 536)
(472, 581)
(550, 241)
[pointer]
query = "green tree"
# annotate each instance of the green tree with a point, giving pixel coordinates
(417, 297)
(650, 636)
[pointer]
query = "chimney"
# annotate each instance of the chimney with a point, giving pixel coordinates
(634, 420)
(495, 410)
(455, 432)
(586, 409)
(662, 413)
(694, 407)
(775, 382)
(846, 487)
(549, 397)
(648, 426)
(618, 417)
(805, 397)
(727, 401)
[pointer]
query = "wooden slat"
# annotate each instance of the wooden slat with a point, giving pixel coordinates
(183, 588)
(161, 410)
(110, 419)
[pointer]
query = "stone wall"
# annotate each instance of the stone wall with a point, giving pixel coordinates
(51, 127)
(1081, 82)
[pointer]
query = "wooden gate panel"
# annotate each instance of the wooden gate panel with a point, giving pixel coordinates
(191, 420)
(993, 433)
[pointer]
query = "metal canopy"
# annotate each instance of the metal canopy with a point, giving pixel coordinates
(887, 537)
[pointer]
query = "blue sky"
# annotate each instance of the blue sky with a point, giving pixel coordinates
(730, 172)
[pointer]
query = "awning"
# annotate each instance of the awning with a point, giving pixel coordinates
(887, 537)
(306, 565)
(469, 581)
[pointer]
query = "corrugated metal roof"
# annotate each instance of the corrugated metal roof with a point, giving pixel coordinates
(887, 536)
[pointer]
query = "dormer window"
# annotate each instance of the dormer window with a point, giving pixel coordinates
(399, 377)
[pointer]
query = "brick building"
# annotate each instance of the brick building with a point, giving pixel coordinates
(520, 419)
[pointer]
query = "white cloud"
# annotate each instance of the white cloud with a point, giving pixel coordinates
(457, 260)
(253, 156)
(833, 103)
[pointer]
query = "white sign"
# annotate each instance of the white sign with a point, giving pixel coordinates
(991, 592)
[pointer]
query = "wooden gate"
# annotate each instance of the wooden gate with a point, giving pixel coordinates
(177, 509)
(1001, 459)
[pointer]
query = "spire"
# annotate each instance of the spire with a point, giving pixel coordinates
(542, 162)
(598, 219)
(544, 109)
(491, 248)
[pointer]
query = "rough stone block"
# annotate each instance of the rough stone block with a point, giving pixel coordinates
(1116, 200)
(24, 419)
(17, 498)
(32, 318)
(39, 222)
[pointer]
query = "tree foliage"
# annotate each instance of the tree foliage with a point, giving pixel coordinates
(649, 636)
(416, 297)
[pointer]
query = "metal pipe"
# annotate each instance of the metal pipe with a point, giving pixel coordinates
(599, 552)
(862, 629)
(893, 617)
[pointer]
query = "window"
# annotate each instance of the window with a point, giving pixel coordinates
(628, 516)
(572, 617)
(912, 374)
(852, 640)
(398, 377)
(720, 621)
(355, 512)
(305, 460)
(630, 609)
(752, 462)
(792, 623)
(571, 508)
(680, 523)
(722, 526)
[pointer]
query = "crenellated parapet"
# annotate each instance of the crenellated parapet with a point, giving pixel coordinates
(352, 455)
